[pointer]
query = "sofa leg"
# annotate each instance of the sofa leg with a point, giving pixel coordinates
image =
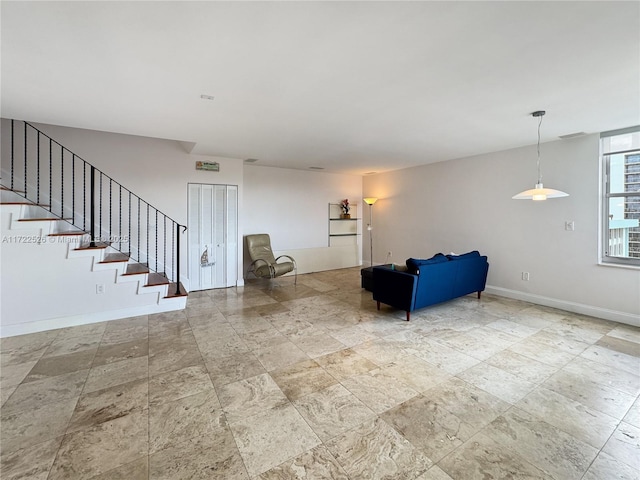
(378, 304)
(408, 315)
(479, 295)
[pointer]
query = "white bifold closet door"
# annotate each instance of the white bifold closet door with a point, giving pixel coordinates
(213, 236)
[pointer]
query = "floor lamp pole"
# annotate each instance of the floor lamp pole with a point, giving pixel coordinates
(370, 201)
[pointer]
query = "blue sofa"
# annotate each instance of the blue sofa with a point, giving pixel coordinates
(427, 282)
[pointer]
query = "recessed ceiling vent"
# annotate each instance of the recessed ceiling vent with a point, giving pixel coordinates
(371, 173)
(207, 97)
(251, 160)
(572, 135)
(316, 168)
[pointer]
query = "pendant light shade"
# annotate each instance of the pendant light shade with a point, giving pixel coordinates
(539, 192)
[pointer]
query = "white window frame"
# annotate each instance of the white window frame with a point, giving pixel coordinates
(606, 257)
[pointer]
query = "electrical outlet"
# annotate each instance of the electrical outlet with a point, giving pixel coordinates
(389, 254)
(570, 225)
(525, 276)
(99, 288)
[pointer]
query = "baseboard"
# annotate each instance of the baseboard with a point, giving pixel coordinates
(84, 319)
(598, 312)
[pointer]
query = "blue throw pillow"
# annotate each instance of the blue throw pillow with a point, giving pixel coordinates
(472, 254)
(414, 263)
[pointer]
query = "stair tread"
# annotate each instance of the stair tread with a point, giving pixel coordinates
(172, 291)
(26, 203)
(44, 219)
(97, 246)
(7, 189)
(136, 269)
(155, 279)
(60, 234)
(115, 258)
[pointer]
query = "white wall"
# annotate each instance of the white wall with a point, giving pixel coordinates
(466, 204)
(292, 207)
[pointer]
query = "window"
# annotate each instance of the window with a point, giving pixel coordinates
(621, 201)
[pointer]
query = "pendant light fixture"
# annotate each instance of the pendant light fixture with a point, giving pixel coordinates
(539, 192)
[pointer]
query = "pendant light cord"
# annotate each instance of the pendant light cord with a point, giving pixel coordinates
(539, 174)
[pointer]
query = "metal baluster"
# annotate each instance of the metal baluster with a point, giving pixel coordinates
(84, 197)
(173, 251)
(100, 213)
(38, 168)
(93, 206)
(119, 217)
(25, 161)
(148, 233)
(164, 257)
(73, 188)
(138, 228)
(129, 238)
(12, 151)
(110, 208)
(50, 175)
(156, 239)
(61, 181)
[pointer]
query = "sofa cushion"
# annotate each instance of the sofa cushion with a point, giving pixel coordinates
(462, 256)
(414, 263)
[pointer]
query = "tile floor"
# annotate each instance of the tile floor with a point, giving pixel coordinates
(310, 381)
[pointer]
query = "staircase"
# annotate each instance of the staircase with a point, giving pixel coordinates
(57, 201)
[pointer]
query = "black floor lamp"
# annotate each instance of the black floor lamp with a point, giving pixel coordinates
(370, 201)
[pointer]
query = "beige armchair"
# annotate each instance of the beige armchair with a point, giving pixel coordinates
(263, 262)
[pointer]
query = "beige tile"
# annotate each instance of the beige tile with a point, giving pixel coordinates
(598, 373)
(174, 357)
(612, 358)
(65, 345)
(378, 390)
(597, 396)
(624, 445)
(481, 458)
(332, 411)
(13, 375)
(136, 470)
(416, 373)
(174, 422)
(434, 473)
(117, 373)
(374, 450)
(473, 406)
(582, 422)
(429, 427)
(32, 463)
(91, 452)
(443, 357)
(302, 378)
(380, 352)
(605, 467)
(345, 363)
(213, 457)
(318, 345)
(281, 355)
(542, 352)
(48, 390)
(25, 428)
(498, 382)
(542, 444)
(271, 437)
(633, 415)
(317, 464)
(626, 332)
(250, 397)
(225, 370)
(109, 404)
(59, 365)
(171, 386)
(620, 345)
(110, 353)
(523, 367)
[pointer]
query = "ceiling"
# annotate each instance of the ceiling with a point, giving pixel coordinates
(351, 87)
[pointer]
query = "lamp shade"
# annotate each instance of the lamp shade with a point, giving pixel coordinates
(370, 200)
(539, 193)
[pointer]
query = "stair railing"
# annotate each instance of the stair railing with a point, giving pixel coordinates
(48, 174)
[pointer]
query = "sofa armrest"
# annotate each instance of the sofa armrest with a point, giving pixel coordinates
(394, 288)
